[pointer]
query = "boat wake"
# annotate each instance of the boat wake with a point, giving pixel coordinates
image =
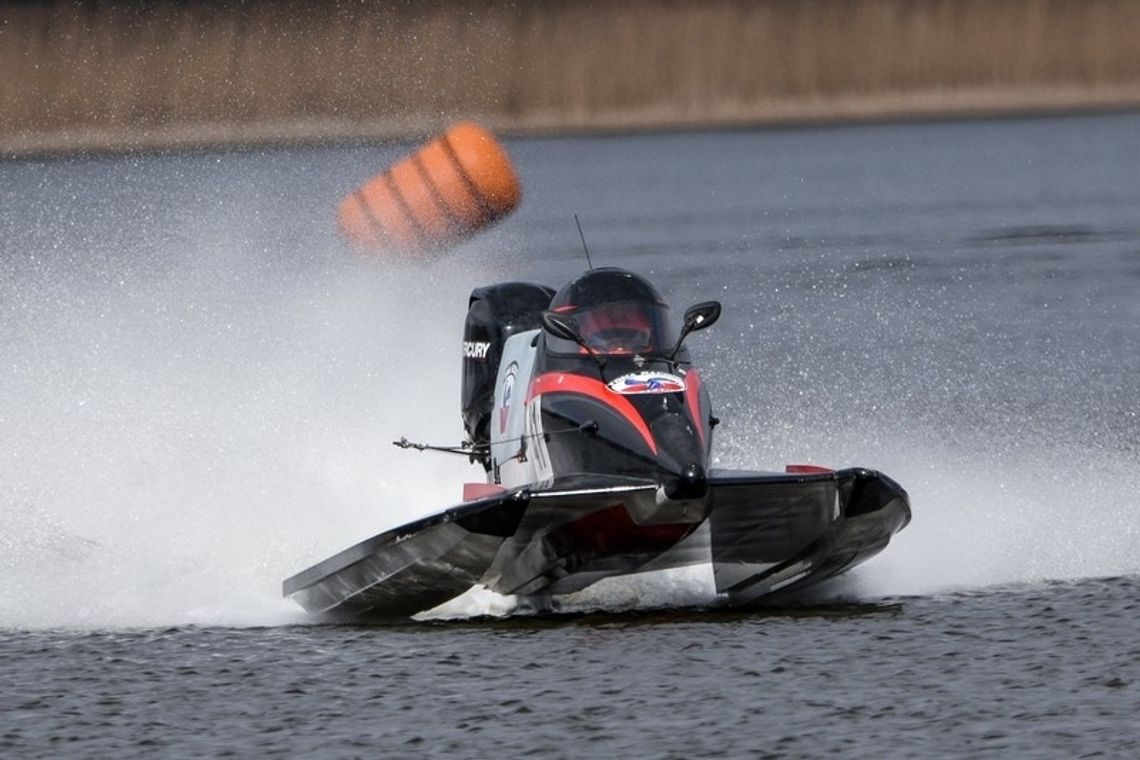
(175, 445)
(180, 444)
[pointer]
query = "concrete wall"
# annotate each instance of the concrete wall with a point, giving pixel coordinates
(143, 74)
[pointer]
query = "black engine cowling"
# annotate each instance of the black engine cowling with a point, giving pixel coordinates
(494, 313)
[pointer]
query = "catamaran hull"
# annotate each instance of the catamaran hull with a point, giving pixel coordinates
(766, 535)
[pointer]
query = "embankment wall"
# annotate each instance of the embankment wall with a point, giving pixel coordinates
(113, 74)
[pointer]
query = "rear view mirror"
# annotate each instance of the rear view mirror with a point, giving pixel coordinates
(701, 315)
(561, 326)
(697, 317)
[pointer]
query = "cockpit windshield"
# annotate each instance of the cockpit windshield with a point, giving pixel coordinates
(619, 328)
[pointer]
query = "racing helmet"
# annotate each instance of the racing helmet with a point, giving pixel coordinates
(616, 312)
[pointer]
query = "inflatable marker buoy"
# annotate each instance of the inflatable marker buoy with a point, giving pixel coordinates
(455, 185)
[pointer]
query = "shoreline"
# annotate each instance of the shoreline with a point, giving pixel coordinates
(117, 76)
(910, 108)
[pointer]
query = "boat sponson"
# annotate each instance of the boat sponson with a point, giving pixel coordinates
(771, 547)
(414, 567)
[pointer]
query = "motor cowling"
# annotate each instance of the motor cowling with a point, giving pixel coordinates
(494, 314)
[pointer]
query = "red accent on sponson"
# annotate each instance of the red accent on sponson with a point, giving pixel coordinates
(475, 491)
(806, 469)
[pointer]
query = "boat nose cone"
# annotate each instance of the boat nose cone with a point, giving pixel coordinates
(692, 483)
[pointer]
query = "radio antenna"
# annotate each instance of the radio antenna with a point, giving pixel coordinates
(589, 263)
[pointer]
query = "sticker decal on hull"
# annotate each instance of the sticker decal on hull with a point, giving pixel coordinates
(508, 392)
(647, 382)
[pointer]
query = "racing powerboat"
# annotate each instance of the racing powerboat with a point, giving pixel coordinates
(594, 430)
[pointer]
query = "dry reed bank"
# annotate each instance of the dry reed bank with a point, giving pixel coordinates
(118, 74)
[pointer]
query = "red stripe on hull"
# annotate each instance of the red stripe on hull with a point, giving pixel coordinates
(563, 382)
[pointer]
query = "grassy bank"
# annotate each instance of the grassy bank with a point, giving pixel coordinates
(126, 74)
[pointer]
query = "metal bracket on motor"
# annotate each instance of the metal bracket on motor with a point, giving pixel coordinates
(474, 451)
(481, 452)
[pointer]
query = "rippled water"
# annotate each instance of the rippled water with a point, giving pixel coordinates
(1045, 670)
(201, 387)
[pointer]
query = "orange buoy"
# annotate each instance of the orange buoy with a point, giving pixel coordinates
(455, 185)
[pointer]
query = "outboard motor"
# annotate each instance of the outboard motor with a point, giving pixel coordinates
(494, 313)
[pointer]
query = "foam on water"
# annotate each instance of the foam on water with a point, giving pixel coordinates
(987, 517)
(1000, 503)
(179, 441)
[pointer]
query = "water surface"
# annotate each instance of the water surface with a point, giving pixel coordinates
(200, 390)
